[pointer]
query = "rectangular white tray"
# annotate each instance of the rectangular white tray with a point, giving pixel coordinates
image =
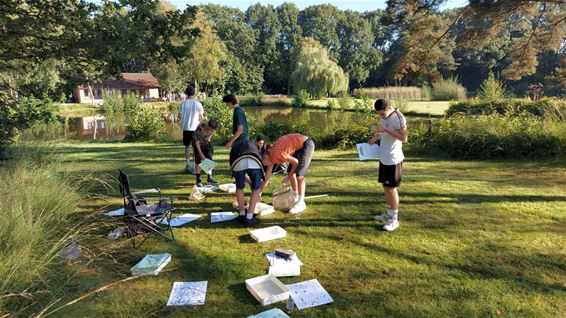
(267, 289)
(268, 233)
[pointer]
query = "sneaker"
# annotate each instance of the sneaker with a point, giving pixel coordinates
(391, 225)
(251, 222)
(210, 179)
(298, 207)
(199, 184)
(188, 168)
(241, 219)
(383, 217)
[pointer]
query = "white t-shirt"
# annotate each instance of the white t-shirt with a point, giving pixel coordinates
(391, 148)
(190, 110)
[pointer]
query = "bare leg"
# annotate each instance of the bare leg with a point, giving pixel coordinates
(301, 185)
(254, 198)
(391, 197)
(197, 168)
(187, 152)
(240, 198)
(293, 180)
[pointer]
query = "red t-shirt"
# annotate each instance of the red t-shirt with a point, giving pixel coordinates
(284, 147)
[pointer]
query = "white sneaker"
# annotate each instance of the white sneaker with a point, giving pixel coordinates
(298, 207)
(391, 225)
(383, 217)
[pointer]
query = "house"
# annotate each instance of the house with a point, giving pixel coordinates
(144, 85)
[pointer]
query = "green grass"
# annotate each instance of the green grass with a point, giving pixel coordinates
(476, 239)
(418, 107)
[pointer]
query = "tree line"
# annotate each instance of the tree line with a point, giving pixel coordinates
(50, 46)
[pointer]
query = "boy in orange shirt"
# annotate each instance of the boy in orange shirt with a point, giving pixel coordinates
(297, 150)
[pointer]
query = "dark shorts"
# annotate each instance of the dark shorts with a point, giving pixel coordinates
(207, 151)
(188, 137)
(304, 155)
(255, 177)
(390, 175)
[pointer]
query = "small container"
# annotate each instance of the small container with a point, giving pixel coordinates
(290, 304)
(267, 289)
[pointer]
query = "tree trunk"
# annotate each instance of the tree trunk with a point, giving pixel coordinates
(92, 104)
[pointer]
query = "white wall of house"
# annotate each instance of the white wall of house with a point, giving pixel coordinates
(154, 93)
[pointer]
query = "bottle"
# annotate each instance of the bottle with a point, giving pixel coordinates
(290, 305)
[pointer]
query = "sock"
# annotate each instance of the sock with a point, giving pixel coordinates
(301, 198)
(249, 215)
(393, 214)
(242, 213)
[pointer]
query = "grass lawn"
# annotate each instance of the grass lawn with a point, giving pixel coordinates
(477, 239)
(420, 107)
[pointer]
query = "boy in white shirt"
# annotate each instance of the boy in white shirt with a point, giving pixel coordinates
(191, 115)
(392, 134)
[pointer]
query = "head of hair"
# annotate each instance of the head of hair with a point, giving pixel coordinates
(212, 123)
(230, 98)
(381, 104)
(259, 138)
(190, 90)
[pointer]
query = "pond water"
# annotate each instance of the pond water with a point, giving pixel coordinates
(322, 120)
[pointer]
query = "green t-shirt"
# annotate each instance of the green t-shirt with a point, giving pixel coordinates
(239, 118)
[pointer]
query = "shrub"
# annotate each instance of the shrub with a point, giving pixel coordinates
(402, 105)
(37, 202)
(548, 108)
(489, 136)
(147, 125)
(345, 102)
(301, 98)
(215, 108)
(426, 92)
(491, 88)
(390, 92)
(255, 100)
(447, 89)
(331, 104)
(344, 138)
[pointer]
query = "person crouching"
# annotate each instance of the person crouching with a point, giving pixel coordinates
(202, 148)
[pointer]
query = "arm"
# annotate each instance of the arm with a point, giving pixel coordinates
(294, 165)
(268, 172)
(400, 134)
(374, 138)
(235, 137)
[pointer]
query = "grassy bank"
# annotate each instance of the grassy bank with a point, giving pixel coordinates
(477, 238)
(417, 107)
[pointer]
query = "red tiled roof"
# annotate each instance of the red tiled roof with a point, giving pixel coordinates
(129, 81)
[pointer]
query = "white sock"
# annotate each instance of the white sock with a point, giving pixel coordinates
(301, 198)
(393, 214)
(188, 162)
(242, 213)
(249, 216)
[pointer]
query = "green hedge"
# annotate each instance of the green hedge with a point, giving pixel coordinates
(546, 107)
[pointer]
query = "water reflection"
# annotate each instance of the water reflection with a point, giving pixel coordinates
(324, 121)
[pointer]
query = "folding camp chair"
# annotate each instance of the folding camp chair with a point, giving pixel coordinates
(141, 218)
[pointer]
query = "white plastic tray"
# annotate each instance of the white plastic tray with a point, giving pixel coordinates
(267, 289)
(268, 233)
(228, 187)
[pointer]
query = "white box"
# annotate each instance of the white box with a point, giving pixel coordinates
(267, 289)
(228, 187)
(263, 208)
(268, 233)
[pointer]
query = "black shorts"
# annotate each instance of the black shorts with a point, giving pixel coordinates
(390, 175)
(207, 151)
(188, 137)
(304, 156)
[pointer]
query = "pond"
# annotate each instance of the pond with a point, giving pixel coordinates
(322, 120)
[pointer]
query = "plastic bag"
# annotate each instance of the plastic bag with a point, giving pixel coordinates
(196, 194)
(284, 198)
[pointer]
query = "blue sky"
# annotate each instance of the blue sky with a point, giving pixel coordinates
(359, 5)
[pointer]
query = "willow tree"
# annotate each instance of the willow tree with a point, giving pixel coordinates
(207, 54)
(315, 72)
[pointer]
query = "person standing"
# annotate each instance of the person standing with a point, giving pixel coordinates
(239, 121)
(296, 150)
(202, 147)
(245, 163)
(392, 134)
(191, 115)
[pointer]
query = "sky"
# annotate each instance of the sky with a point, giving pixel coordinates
(359, 5)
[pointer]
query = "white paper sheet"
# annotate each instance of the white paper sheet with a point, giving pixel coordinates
(208, 188)
(367, 151)
(207, 165)
(309, 294)
(280, 267)
(216, 217)
(271, 313)
(181, 219)
(119, 212)
(188, 294)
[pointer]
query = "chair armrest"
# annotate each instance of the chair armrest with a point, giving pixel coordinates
(155, 190)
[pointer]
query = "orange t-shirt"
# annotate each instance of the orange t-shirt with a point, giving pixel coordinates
(285, 146)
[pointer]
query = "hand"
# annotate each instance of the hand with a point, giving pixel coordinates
(382, 129)
(229, 144)
(285, 180)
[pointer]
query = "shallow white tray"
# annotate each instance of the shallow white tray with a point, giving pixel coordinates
(228, 187)
(267, 289)
(268, 233)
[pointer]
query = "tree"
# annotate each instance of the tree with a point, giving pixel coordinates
(289, 39)
(358, 57)
(320, 23)
(170, 75)
(316, 73)
(207, 54)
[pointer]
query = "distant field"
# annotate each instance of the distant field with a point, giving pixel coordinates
(424, 107)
